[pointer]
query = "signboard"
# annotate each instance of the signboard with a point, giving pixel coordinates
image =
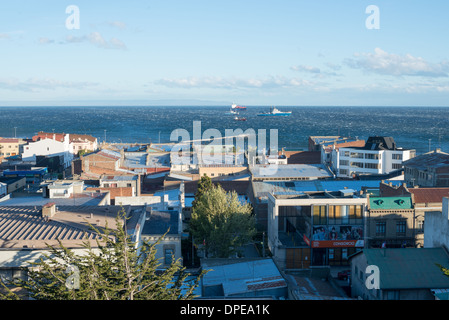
(338, 244)
(337, 236)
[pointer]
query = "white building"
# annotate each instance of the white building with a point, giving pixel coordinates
(436, 227)
(80, 142)
(49, 147)
(380, 155)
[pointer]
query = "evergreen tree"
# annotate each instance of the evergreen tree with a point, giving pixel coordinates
(114, 270)
(221, 222)
(204, 185)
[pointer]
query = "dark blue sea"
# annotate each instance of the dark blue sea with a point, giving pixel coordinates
(417, 128)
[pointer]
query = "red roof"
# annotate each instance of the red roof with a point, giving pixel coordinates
(427, 195)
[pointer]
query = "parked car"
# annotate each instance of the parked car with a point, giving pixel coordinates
(344, 275)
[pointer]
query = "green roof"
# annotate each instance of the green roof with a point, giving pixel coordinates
(409, 268)
(390, 203)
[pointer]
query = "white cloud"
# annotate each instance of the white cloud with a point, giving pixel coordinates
(98, 40)
(303, 68)
(232, 83)
(385, 63)
(117, 24)
(37, 84)
(44, 40)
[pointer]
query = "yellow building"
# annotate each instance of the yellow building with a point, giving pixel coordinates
(10, 146)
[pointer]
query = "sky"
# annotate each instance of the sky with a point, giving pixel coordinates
(250, 52)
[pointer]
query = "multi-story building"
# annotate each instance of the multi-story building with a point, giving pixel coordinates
(399, 274)
(49, 146)
(11, 146)
(390, 222)
(380, 155)
(428, 170)
(83, 142)
(315, 228)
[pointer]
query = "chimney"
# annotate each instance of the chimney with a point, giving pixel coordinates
(48, 210)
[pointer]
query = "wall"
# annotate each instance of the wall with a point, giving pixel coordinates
(217, 171)
(436, 227)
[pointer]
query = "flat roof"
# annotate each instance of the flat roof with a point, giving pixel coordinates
(294, 187)
(409, 268)
(243, 277)
(290, 171)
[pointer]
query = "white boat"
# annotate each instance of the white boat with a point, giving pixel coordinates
(232, 112)
(275, 112)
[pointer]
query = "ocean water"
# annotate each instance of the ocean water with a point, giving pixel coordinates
(417, 128)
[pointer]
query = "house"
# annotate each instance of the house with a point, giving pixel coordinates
(13, 184)
(380, 155)
(164, 226)
(399, 274)
(11, 146)
(26, 231)
(94, 164)
(33, 175)
(428, 170)
(121, 181)
(327, 150)
(315, 228)
(83, 143)
(390, 222)
(424, 201)
(54, 145)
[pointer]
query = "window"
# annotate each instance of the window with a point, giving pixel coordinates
(372, 156)
(168, 256)
(344, 171)
(380, 228)
(357, 155)
(396, 156)
(372, 166)
(420, 225)
(319, 215)
(400, 228)
(344, 162)
(396, 166)
(357, 164)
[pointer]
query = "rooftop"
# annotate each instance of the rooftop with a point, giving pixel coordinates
(390, 203)
(433, 159)
(290, 171)
(409, 268)
(159, 222)
(244, 277)
(428, 195)
(263, 188)
(25, 227)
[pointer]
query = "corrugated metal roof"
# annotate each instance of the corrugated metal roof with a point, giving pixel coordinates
(409, 268)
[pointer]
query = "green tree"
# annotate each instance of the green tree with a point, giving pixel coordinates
(221, 222)
(114, 270)
(204, 185)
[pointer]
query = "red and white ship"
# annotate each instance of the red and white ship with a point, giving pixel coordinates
(235, 106)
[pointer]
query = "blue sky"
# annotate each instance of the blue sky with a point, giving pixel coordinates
(250, 52)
